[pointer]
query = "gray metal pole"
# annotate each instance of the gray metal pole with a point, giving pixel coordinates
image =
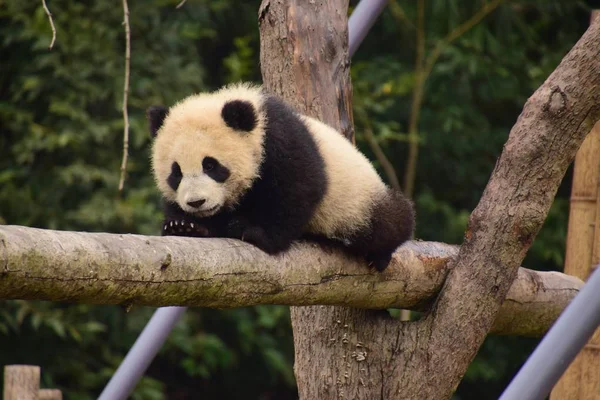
(566, 338)
(164, 319)
(362, 19)
(142, 353)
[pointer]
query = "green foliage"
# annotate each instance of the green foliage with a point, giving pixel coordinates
(61, 141)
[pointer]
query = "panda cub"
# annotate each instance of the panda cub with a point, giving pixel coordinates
(240, 163)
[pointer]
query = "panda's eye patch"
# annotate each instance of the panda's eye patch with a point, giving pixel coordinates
(215, 169)
(209, 163)
(175, 176)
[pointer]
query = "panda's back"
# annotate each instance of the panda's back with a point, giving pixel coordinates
(353, 185)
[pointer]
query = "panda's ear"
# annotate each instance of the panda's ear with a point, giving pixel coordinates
(156, 116)
(239, 115)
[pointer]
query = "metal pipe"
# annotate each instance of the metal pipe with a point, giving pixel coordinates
(164, 319)
(558, 349)
(362, 19)
(142, 353)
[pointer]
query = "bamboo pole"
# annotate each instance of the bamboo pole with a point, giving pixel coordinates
(581, 381)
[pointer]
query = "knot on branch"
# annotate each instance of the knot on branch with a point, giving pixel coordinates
(557, 101)
(263, 11)
(165, 262)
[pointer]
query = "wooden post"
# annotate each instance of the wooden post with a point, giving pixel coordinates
(22, 382)
(50, 394)
(582, 378)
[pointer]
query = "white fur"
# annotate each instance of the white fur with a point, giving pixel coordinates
(197, 187)
(353, 184)
(194, 129)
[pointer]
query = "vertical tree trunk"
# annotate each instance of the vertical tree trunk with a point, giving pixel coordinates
(582, 378)
(339, 352)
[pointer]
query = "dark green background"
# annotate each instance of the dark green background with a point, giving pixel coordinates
(60, 148)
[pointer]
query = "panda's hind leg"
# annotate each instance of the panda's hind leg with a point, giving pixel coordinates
(392, 223)
(379, 261)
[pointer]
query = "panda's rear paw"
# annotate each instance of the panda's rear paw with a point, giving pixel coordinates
(180, 227)
(379, 261)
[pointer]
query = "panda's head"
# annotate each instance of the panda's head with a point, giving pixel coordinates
(208, 148)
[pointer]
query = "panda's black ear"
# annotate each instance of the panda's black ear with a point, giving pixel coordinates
(239, 115)
(156, 116)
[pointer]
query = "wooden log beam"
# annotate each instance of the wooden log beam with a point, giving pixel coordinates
(102, 268)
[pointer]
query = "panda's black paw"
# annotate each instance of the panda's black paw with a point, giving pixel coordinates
(270, 244)
(379, 261)
(236, 227)
(182, 227)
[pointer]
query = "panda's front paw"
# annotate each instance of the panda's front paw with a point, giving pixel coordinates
(181, 227)
(269, 243)
(236, 227)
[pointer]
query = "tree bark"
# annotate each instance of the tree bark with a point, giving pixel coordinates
(360, 354)
(37, 264)
(540, 147)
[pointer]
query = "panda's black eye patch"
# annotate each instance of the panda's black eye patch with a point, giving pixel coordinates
(209, 163)
(215, 169)
(239, 115)
(175, 176)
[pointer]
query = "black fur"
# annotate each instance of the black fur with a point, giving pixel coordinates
(392, 223)
(175, 176)
(179, 223)
(214, 169)
(156, 116)
(239, 115)
(292, 182)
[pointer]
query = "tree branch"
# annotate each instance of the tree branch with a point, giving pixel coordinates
(386, 165)
(49, 14)
(423, 68)
(458, 32)
(540, 147)
(101, 268)
(125, 94)
(416, 102)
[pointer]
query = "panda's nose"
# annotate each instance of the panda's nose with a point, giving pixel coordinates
(196, 203)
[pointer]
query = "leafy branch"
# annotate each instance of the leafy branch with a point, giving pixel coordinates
(423, 68)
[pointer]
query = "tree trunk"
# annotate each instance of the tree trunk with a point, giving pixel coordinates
(339, 351)
(358, 354)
